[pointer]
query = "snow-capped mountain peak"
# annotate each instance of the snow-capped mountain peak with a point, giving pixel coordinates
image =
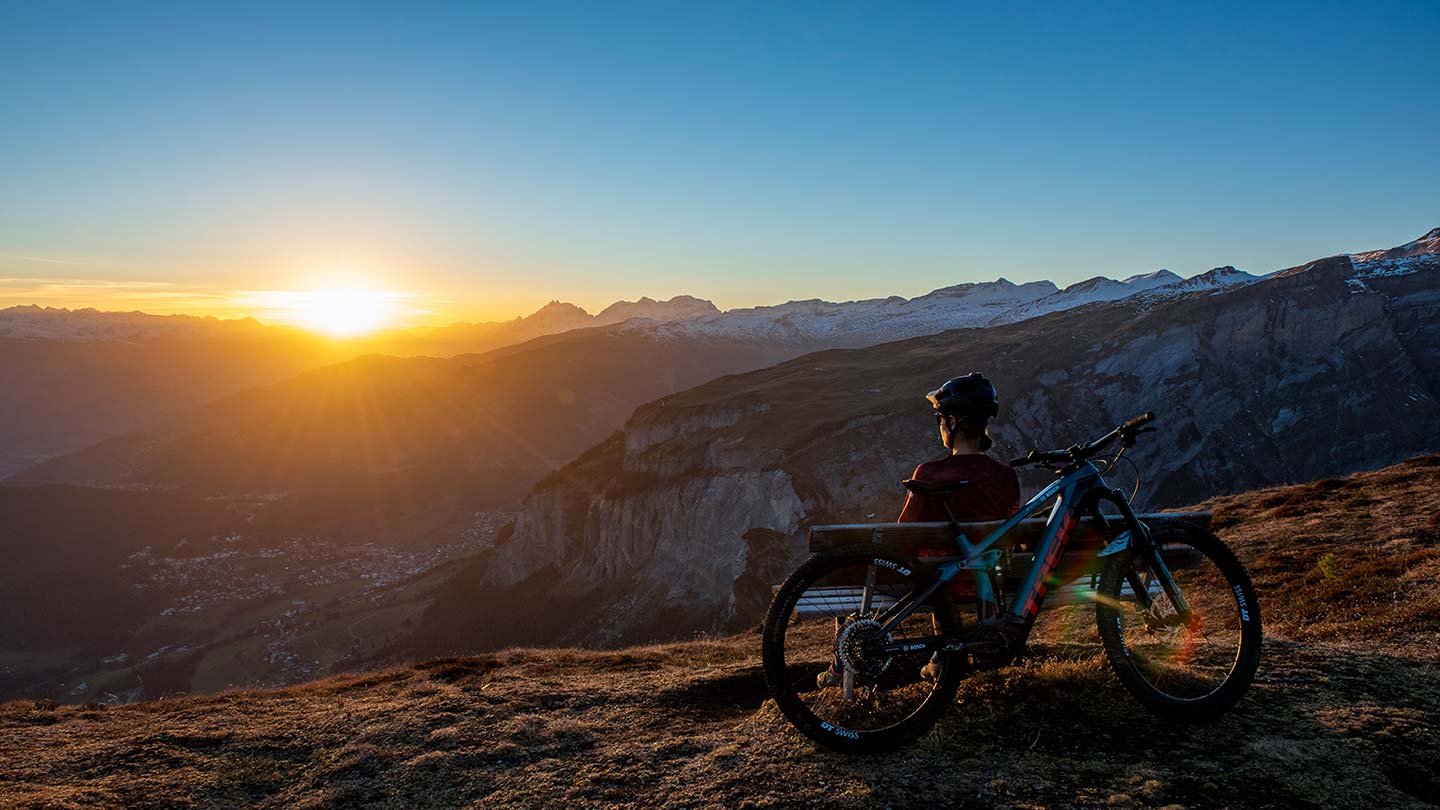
(1217, 280)
(557, 316)
(999, 291)
(1156, 278)
(679, 308)
(1095, 290)
(818, 323)
(1426, 245)
(1415, 255)
(32, 322)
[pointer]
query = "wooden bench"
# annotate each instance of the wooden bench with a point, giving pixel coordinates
(936, 543)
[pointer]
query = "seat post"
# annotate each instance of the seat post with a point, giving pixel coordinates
(950, 515)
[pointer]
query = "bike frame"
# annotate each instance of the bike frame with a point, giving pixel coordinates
(1078, 490)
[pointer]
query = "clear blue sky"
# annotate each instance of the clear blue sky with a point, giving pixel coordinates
(495, 156)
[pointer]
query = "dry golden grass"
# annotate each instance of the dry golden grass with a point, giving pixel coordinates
(1342, 713)
(1355, 558)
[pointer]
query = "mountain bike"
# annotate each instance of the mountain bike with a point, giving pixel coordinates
(865, 647)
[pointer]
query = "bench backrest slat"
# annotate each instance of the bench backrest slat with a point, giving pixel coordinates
(929, 538)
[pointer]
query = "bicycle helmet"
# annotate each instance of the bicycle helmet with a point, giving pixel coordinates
(971, 396)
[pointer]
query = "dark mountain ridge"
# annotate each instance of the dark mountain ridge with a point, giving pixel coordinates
(57, 396)
(71, 378)
(494, 423)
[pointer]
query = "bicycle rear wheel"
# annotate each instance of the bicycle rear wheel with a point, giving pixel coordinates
(820, 656)
(1183, 669)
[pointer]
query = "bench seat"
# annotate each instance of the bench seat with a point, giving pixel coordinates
(933, 540)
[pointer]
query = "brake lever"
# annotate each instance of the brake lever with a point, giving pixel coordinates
(1029, 458)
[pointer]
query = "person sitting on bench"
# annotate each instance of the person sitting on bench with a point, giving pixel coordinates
(975, 486)
(965, 485)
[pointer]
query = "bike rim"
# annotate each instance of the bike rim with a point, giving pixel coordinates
(829, 633)
(1185, 661)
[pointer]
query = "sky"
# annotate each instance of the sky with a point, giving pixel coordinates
(476, 160)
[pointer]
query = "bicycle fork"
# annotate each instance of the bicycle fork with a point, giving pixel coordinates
(1145, 548)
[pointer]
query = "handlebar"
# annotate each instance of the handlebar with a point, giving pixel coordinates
(1138, 422)
(1126, 433)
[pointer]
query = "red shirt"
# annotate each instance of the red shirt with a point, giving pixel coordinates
(993, 492)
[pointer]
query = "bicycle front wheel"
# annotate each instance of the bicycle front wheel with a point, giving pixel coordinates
(823, 663)
(1191, 665)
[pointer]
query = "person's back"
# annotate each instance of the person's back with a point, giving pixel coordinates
(992, 494)
(963, 408)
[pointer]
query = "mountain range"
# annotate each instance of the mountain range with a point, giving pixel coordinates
(553, 318)
(817, 324)
(76, 377)
(82, 376)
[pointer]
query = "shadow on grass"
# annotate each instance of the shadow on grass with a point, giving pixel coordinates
(732, 695)
(1321, 727)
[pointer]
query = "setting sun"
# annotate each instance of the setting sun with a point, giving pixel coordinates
(342, 311)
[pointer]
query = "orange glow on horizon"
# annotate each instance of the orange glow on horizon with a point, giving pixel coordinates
(340, 304)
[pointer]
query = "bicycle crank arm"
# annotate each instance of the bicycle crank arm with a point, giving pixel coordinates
(926, 643)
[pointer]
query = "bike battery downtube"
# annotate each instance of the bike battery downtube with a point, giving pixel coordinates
(1047, 557)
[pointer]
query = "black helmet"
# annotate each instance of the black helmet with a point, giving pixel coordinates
(970, 396)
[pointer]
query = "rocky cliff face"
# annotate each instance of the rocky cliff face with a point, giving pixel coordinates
(681, 522)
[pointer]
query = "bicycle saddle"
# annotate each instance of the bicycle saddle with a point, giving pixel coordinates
(934, 489)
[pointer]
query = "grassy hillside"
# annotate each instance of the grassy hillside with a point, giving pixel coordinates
(1341, 714)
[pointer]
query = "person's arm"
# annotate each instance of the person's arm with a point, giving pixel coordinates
(1012, 494)
(912, 511)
